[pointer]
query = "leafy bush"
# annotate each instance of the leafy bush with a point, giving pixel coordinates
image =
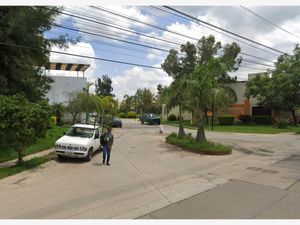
(262, 120)
(58, 110)
(226, 120)
(131, 115)
(22, 121)
(282, 124)
(122, 115)
(171, 117)
(246, 119)
(41, 117)
(53, 121)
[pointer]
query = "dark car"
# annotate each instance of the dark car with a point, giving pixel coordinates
(117, 122)
(150, 118)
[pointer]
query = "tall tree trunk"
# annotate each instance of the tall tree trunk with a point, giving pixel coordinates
(20, 157)
(200, 132)
(181, 132)
(294, 117)
(74, 118)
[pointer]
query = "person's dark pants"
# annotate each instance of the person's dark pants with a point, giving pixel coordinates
(106, 152)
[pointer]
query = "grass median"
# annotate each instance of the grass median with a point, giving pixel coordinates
(40, 144)
(256, 129)
(207, 148)
(26, 165)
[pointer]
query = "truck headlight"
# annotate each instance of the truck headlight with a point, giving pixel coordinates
(83, 149)
(57, 146)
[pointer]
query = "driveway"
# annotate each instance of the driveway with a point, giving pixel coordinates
(147, 175)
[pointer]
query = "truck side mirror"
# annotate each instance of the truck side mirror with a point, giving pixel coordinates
(64, 133)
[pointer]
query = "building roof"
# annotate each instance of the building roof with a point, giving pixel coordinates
(68, 66)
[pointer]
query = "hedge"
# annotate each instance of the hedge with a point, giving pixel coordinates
(226, 120)
(131, 115)
(171, 117)
(246, 119)
(122, 115)
(262, 120)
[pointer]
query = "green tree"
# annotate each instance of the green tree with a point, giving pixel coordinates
(205, 90)
(103, 87)
(200, 77)
(178, 66)
(281, 91)
(80, 102)
(209, 82)
(21, 122)
(128, 103)
(144, 100)
(20, 68)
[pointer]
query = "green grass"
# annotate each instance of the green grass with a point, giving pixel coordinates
(259, 129)
(40, 144)
(30, 164)
(189, 143)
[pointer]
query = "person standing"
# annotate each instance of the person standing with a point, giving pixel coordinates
(108, 140)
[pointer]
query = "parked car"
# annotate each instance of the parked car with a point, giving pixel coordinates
(117, 122)
(150, 118)
(80, 141)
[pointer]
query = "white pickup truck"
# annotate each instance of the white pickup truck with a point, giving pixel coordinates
(80, 141)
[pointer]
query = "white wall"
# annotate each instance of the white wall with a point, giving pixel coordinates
(63, 86)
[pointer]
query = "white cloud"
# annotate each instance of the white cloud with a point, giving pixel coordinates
(81, 48)
(111, 20)
(137, 77)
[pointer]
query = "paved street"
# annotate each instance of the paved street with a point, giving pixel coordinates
(151, 179)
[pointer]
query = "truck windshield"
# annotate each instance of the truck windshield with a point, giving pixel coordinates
(80, 132)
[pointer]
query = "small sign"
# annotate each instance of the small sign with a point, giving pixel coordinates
(209, 113)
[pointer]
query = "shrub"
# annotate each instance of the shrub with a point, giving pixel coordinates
(52, 121)
(282, 124)
(226, 120)
(246, 119)
(22, 121)
(122, 115)
(58, 110)
(131, 115)
(41, 118)
(262, 120)
(171, 117)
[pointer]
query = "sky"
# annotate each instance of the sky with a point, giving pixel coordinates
(117, 43)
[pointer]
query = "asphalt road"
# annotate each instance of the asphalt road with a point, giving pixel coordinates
(151, 179)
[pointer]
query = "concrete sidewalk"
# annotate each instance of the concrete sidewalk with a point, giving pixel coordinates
(28, 157)
(236, 200)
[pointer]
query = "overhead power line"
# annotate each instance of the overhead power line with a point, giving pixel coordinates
(95, 34)
(227, 31)
(151, 47)
(120, 28)
(180, 34)
(222, 33)
(82, 56)
(268, 21)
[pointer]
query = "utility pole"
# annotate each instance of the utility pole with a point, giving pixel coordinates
(87, 92)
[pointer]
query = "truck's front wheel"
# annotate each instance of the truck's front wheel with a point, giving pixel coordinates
(89, 155)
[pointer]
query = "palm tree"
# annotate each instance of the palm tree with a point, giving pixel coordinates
(174, 96)
(206, 87)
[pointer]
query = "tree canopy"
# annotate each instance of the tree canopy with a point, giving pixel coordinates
(200, 77)
(104, 87)
(21, 68)
(279, 90)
